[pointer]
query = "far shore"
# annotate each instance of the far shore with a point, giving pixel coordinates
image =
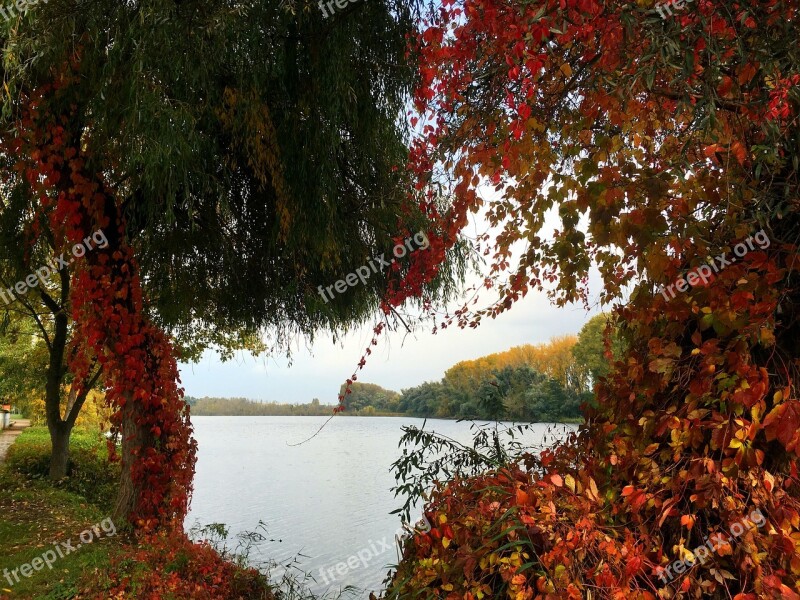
(328, 414)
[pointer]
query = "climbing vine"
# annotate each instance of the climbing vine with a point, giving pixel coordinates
(106, 306)
(655, 146)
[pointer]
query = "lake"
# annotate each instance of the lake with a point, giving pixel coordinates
(325, 502)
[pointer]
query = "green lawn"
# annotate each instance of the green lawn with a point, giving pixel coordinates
(33, 517)
(36, 514)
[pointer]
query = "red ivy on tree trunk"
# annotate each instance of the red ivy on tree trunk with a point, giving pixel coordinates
(106, 305)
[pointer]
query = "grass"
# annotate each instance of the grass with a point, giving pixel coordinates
(89, 475)
(33, 516)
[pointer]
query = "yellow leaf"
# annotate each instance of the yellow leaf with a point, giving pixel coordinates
(591, 491)
(767, 337)
(755, 413)
(795, 565)
(445, 541)
(566, 70)
(569, 481)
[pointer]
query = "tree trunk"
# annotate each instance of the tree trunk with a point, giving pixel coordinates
(62, 429)
(135, 439)
(59, 430)
(131, 441)
(59, 458)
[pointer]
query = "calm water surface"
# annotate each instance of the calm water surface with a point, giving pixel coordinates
(324, 501)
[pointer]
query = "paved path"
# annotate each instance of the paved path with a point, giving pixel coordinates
(9, 436)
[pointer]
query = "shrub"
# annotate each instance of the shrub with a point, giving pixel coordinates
(89, 473)
(169, 565)
(529, 534)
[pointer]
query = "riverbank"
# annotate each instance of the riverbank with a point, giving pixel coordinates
(565, 420)
(58, 543)
(37, 516)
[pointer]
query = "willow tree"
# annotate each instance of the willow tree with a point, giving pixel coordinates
(237, 156)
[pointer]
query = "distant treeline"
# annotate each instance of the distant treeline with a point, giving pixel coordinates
(204, 407)
(244, 407)
(532, 383)
(542, 383)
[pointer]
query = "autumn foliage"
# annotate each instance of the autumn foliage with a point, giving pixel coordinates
(162, 565)
(553, 359)
(655, 145)
(106, 304)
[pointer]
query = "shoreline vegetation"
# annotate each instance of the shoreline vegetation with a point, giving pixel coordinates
(245, 407)
(38, 512)
(544, 383)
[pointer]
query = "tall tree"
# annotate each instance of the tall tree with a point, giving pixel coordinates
(554, 358)
(362, 395)
(598, 346)
(23, 359)
(35, 291)
(238, 158)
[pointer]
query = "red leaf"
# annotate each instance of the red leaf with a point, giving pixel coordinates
(783, 423)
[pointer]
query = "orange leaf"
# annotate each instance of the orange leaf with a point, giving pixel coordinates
(739, 152)
(747, 72)
(783, 423)
(591, 491)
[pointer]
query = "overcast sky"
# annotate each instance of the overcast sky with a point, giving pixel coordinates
(399, 361)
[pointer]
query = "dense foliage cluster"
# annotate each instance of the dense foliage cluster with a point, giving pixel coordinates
(363, 395)
(511, 393)
(545, 382)
(662, 144)
(166, 566)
